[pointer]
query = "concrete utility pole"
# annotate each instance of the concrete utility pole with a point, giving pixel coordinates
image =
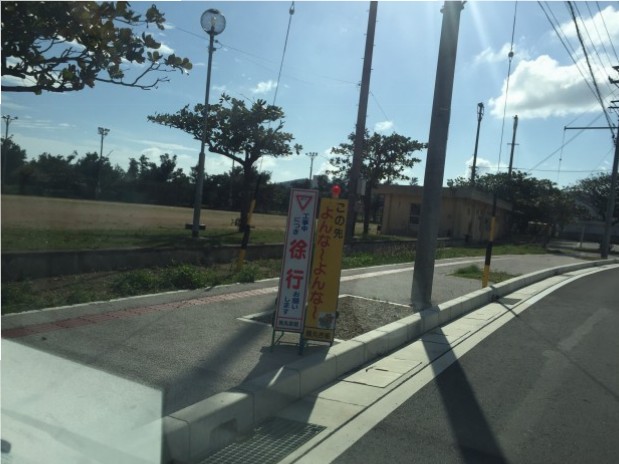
(423, 273)
(480, 115)
(357, 158)
(513, 144)
(7, 121)
(102, 132)
(312, 155)
(610, 207)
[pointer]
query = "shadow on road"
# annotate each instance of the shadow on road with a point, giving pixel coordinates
(475, 439)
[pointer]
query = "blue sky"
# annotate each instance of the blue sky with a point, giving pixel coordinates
(319, 89)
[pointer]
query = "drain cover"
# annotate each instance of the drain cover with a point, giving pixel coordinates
(268, 444)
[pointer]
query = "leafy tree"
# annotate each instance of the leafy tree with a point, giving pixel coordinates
(50, 175)
(532, 199)
(66, 46)
(385, 158)
(240, 133)
(13, 158)
(161, 183)
(591, 195)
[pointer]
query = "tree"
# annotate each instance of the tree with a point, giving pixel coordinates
(591, 195)
(13, 158)
(532, 199)
(66, 46)
(240, 133)
(385, 158)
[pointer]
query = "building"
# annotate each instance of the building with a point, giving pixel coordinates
(466, 213)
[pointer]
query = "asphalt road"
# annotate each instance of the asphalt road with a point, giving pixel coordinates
(199, 347)
(544, 388)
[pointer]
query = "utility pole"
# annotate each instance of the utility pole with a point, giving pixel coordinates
(7, 121)
(312, 155)
(610, 205)
(102, 132)
(423, 273)
(513, 144)
(480, 115)
(357, 158)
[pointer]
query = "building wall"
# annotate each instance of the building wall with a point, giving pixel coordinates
(462, 218)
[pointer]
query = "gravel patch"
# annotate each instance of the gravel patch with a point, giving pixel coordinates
(358, 316)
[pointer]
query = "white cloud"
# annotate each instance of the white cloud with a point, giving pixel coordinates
(482, 166)
(163, 145)
(606, 20)
(264, 87)
(383, 126)
(542, 88)
(165, 50)
(492, 57)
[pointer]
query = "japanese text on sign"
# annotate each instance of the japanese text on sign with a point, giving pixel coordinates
(324, 284)
(298, 246)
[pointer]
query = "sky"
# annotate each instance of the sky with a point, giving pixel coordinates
(549, 87)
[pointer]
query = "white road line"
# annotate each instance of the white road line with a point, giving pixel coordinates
(344, 437)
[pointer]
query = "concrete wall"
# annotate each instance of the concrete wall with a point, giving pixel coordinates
(33, 265)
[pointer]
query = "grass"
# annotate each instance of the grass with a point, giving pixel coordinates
(37, 223)
(67, 290)
(475, 272)
(98, 286)
(24, 239)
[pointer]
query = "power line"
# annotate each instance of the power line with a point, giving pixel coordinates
(584, 49)
(597, 31)
(379, 107)
(510, 55)
(279, 75)
(560, 36)
(601, 66)
(561, 147)
(610, 40)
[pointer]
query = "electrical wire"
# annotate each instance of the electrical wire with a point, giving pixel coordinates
(584, 49)
(610, 40)
(597, 31)
(600, 65)
(281, 65)
(566, 143)
(510, 55)
(560, 35)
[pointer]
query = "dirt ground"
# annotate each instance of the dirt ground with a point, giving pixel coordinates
(357, 316)
(59, 213)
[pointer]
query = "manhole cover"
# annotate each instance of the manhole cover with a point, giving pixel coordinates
(268, 444)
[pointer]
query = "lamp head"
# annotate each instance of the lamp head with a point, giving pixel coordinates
(213, 22)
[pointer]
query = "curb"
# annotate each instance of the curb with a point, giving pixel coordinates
(191, 434)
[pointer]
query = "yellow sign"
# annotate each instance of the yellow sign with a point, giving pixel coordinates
(324, 287)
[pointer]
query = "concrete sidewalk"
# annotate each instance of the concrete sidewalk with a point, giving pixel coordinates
(213, 371)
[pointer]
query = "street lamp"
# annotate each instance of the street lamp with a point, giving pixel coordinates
(102, 132)
(213, 23)
(7, 119)
(480, 115)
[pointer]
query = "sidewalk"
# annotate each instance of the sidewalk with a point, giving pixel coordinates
(192, 358)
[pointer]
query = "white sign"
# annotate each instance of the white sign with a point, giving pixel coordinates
(290, 310)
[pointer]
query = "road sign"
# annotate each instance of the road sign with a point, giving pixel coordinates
(294, 278)
(324, 287)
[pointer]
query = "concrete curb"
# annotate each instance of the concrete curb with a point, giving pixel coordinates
(191, 434)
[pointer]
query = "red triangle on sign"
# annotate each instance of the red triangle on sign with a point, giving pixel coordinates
(304, 200)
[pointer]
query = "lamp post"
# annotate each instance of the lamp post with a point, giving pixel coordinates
(480, 115)
(312, 155)
(7, 120)
(102, 132)
(213, 23)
